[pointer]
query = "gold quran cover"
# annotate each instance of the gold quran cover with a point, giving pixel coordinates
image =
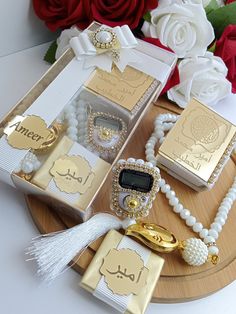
(198, 146)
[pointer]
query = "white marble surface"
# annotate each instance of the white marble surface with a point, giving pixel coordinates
(20, 290)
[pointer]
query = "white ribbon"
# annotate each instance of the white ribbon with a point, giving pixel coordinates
(87, 53)
(102, 292)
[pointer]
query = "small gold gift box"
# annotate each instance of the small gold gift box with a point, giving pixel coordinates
(123, 274)
(72, 173)
(198, 146)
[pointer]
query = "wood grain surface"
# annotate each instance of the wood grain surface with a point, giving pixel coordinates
(178, 282)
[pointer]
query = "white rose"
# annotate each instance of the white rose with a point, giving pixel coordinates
(203, 78)
(64, 40)
(183, 27)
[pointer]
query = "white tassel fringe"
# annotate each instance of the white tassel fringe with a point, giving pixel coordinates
(53, 252)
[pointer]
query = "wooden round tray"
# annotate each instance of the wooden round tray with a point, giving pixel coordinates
(178, 282)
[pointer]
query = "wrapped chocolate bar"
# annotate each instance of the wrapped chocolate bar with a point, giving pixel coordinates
(123, 274)
(198, 146)
(96, 94)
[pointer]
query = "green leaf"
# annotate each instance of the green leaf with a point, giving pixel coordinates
(51, 52)
(147, 17)
(222, 17)
(213, 5)
(212, 48)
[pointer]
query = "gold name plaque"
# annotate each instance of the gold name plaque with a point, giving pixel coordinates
(123, 88)
(124, 271)
(72, 174)
(28, 132)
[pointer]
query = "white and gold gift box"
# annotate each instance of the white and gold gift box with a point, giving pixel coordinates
(126, 94)
(197, 148)
(123, 274)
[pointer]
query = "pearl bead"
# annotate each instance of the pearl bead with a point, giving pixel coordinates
(170, 194)
(165, 188)
(213, 250)
(150, 151)
(209, 239)
(27, 167)
(224, 209)
(159, 134)
(190, 221)
(73, 137)
(222, 215)
(158, 123)
(149, 164)
(231, 195)
(139, 161)
(153, 161)
(178, 208)
(174, 201)
(148, 145)
(150, 157)
(185, 213)
(162, 182)
(132, 160)
(213, 233)
(197, 227)
(220, 220)
(161, 140)
(37, 165)
(216, 226)
(203, 233)
(73, 122)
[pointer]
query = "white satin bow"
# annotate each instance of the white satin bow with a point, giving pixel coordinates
(86, 52)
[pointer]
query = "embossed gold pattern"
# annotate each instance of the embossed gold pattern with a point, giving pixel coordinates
(126, 89)
(124, 271)
(201, 141)
(155, 237)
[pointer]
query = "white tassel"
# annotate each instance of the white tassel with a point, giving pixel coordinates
(54, 251)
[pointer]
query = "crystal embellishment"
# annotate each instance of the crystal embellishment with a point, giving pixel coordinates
(104, 38)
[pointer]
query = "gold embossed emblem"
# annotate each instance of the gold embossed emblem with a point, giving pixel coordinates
(127, 89)
(72, 174)
(28, 132)
(124, 271)
(200, 141)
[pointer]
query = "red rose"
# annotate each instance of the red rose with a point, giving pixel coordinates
(120, 12)
(229, 1)
(174, 78)
(226, 49)
(65, 13)
(61, 13)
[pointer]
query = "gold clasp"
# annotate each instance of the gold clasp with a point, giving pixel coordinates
(153, 236)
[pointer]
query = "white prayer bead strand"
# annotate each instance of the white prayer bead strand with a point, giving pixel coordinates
(29, 164)
(164, 122)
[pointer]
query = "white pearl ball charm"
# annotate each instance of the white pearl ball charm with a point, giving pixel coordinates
(194, 252)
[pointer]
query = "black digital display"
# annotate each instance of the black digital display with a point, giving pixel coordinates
(136, 180)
